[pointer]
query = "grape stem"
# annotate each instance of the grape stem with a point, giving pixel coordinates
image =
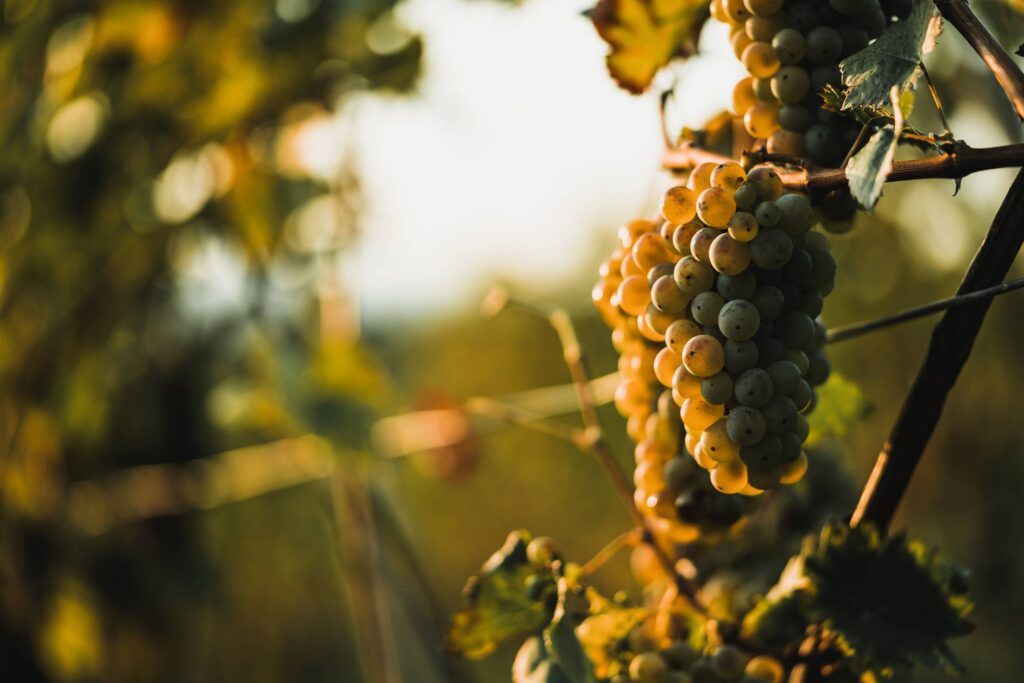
(961, 161)
(1006, 72)
(851, 331)
(950, 346)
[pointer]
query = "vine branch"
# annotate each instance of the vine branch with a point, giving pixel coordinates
(962, 161)
(1006, 72)
(951, 344)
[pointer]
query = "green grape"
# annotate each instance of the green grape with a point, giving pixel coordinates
(715, 206)
(794, 297)
(765, 453)
(819, 369)
(771, 249)
(762, 8)
(779, 413)
(682, 236)
(648, 667)
(768, 183)
(666, 297)
(763, 28)
(729, 662)
(812, 303)
(767, 214)
(821, 76)
(823, 272)
(848, 6)
(704, 356)
(823, 45)
(769, 350)
(789, 46)
(796, 215)
(795, 330)
(717, 389)
(791, 446)
(802, 16)
(817, 239)
(823, 145)
(700, 244)
(706, 306)
(676, 473)
(762, 88)
(802, 395)
(739, 320)
(799, 266)
(728, 256)
(802, 428)
(799, 359)
(770, 302)
(754, 388)
(745, 426)
(693, 277)
(790, 84)
(854, 38)
(795, 118)
(743, 226)
(658, 271)
(746, 196)
(740, 356)
(713, 331)
(785, 377)
(740, 286)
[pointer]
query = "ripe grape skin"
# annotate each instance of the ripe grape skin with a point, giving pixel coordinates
(760, 61)
(717, 389)
(743, 226)
(699, 414)
(767, 214)
(700, 177)
(704, 356)
(658, 271)
(790, 84)
(680, 332)
(795, 471)
(679, 205)
(715, 206)
(754, 388)
(763, 28)
(730, 477)
(761, 8)
(786, 142)
(667, 297)
(739, 320)
(666, 363)
(743, 96)
(693, 277)
(729, 256)
(682, 236)
(706, 306)
(789, 46)
(717, 444)
(728, 176)
(686, 383)
(634, 295)
(768, 183)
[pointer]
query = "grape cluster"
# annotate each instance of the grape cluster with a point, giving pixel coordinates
(791, 50)
(729, 288)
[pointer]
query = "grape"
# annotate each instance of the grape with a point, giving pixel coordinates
(802, 395)
(821, 76)
(770, 350)
(631, 396)
(745, 426)
(795, 118)
(740, 286)
(790, 84)
(700, 243)
(761, 8)
(816, 239)
(823, 146)
(729, 661)
(762, 119)
(629, 266)
(680, 332)
(713, 331)
(728, 176)
(650, 250)
(686, 384)
(716, 442)
(799, 359)
(823, 45)
(754, 388)
(675, 473)
(682, 235)
(819, 368)
(802, 428)
(698, 414)
(693, 277)
(659, 271)
(729, 256)
(743, 226)
(779, 414)
(739, 40)
(799, 266)
(681, 654)
(795, 330)
(771, 249)
(717, 389)
(760, 61)
(812, 303)
(765, 453)
(647, 476)
(795, 471)
(767, 214)
(763, 28)
(706, 306)
(763, 90)
(541, 551)
(665, 365)
(704, 356)
(795, 213)
(764, 478)
(872, 21)
(794, 297)
(743, 97)
(715, 206)
(666, 297)
(740, 356)
(765, 669)
(632, 230)
(770, 302)
(823, 271)
(848, 6)
(854, 38)
(739, 320)
(700, 177)
(746, 196)
(729, 477)
(802, 16)
(679, 205)
(790, 446)
(767, 182)
(786, 142)
(789, 46)
(634, 295)
(785, 376)
(736, 11)
(648, 667)
(646, 330)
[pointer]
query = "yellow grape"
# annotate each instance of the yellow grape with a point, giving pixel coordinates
(795, 470)
(652, 249)
(717, 444)
(691, 441)
(704, 356)
(692, 276)
(730, 477)
(698, 414)
(665, 365)
(679, 332)
(679, 205)
(666, 230)
(729, 256)
(657, 321)
(764, 669)
(786, 142)
(728, 176)
(629, 267)
(739, 40)
(717, 13)
(735, 10)
(612, 263)
(760, 8)
(619, 339)
(676, 532)
(632, 230)
(715, 206)
(647, 476)
(768, 183)
(635, 425)
(682, 235)
(743, 97)
(642, 364)
(702, 458)
(749, 490)
(631, 395)
(762, 120)
(762, 28)
(634, 295)
(648, 451)
(743, 226)
(700, 177)
(643, 325)
(759, 60)
(685, 383)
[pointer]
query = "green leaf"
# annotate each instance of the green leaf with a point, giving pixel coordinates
(880, 115)
(778, 619)
(602, 632)
(533, 664)
(887, 603)
(557, 655)
(841, 406)
(508, 598)
(869, 168)
(644, 35)
(892, 61)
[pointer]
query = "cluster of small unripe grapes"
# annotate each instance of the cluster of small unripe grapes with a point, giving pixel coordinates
(679, 662)
(791, 50)
(728, 289)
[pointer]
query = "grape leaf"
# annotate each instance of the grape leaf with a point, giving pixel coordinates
(879, 115)
(533, 664)
(887, 603)
(841, 405)
(556, 656)
(868, 168)
(604, 629)
(892, 61)
(508, 598)
(644, 35)
(778, 619)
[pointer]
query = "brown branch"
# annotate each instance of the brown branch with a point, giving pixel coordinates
(961, 162)
(951, 343)
(1006, 72)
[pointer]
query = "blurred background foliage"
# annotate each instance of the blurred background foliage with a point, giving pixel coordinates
(189, 484)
